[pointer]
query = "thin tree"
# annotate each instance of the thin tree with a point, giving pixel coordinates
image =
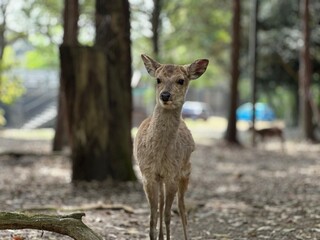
(305, 71)
(253, 63)
(231, 133)
(70, 38)
(3, 26)
(156, 23)
(3, 10)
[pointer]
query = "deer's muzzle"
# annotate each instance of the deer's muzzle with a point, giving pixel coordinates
(165, 96)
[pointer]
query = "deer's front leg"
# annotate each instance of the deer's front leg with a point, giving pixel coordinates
(183, 185)
(152, 190)
(171, 190)
(161, 201)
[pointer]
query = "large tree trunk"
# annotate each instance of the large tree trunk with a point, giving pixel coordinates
(98, 97)
(86, 91)
(113, 37)
(70, 38)
(306, 124)
(120, 99)
(231, 133)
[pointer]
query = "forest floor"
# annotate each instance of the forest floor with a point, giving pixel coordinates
(234, 193)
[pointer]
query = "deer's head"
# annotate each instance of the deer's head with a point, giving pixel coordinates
(172, 81)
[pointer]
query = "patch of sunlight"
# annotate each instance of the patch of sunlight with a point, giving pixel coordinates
(213, 123)
(227, 205)
(28, 134)
(245, 125)
(134, 132)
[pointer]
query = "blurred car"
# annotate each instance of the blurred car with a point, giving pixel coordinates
(196, 110)
(263, 112)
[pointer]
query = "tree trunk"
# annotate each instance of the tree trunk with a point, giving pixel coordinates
(70, 38)
(98, 97)
(61, 135)
(3, 26)
(86, 102)
(2, 40)
(113, 37)
(231, 133)
(156, 26)
(253, 66)
(306, 124)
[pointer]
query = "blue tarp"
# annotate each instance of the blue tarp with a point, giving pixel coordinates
(263, 112)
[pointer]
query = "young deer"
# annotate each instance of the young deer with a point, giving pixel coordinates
(163, 144)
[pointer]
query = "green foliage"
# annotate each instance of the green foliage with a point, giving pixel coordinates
(86, 22)
(245, 90)
(42, 57)
(280, 42)
(11, 87)
(189, 31)
(2, 119)
(196, 32)
(43, 18)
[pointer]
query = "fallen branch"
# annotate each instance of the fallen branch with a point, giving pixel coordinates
(100, 206)
(70, 225)
(86, 207)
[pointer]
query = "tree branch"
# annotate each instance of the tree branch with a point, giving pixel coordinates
(70, 225)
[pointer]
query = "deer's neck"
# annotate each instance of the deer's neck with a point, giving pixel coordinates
(165, 124)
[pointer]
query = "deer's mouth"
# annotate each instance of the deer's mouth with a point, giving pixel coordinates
(167, 104)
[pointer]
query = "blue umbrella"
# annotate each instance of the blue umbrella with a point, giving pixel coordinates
(263, 112)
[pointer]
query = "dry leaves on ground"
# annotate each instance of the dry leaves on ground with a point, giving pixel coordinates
(234, 193)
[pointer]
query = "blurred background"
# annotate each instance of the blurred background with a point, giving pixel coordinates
(74, 90)
(272, 59)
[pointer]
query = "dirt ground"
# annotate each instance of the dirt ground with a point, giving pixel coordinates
(234, 193)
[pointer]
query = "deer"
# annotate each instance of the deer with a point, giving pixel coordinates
(163, 143)
(269, 132)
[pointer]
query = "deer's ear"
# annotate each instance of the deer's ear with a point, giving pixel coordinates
(197, 68)
(150, 64)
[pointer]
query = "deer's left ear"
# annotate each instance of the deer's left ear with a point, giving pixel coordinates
(197, 68)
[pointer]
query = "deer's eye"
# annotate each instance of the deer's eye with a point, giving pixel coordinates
(180, 81)
(158, 80)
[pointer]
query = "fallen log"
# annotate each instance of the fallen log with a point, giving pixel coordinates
(70, 225)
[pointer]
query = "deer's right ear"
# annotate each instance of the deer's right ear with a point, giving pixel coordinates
(150, 64)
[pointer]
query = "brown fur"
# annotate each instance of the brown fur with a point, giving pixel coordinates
(163, 144)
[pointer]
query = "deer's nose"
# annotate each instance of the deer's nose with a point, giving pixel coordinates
(165, 96)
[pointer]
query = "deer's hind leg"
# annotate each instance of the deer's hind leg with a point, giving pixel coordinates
(161, 205)
(183, 185)
(170, 192)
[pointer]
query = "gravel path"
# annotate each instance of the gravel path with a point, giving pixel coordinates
(234, 193)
